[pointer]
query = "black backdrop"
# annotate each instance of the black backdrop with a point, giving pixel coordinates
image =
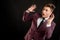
(12, 12)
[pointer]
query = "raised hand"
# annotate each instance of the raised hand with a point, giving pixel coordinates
(31, 8)
(50, 19)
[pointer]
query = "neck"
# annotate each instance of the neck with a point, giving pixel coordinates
(46, 18)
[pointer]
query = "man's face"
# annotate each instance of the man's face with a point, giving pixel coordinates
(46, 12)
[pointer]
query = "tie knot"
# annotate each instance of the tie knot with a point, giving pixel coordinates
(43, 18)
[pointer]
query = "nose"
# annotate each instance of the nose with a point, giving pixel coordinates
(44, 11)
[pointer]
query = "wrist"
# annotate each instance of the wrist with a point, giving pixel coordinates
(48, 22)
(27, 11)
(31, 10)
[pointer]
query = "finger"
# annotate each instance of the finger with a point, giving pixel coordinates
(53, 15)
(32, 8)
(34, 5)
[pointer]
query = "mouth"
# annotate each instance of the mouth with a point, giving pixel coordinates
(43, 15)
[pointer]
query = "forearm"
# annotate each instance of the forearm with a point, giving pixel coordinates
(49, 30)
(26, 16)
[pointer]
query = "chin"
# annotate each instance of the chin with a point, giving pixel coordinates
(44, 16)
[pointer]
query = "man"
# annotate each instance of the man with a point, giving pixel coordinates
(42, 27)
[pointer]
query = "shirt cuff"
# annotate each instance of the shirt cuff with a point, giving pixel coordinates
(27, 11)
(48, 25)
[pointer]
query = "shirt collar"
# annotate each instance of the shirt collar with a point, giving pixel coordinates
(46, 18)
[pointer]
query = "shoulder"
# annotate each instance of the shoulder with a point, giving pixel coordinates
(37, 15)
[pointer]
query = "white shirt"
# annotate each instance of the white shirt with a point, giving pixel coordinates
(39, 21)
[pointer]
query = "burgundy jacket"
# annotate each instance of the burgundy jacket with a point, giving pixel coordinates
(35, 33)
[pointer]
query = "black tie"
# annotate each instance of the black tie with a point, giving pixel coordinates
(41, 23)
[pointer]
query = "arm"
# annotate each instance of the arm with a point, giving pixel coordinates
(51, 26)
(50, 30)
(27, 14)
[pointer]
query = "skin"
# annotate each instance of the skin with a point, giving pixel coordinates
(46, 12)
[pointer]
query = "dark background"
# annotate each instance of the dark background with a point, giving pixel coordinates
(12, 25)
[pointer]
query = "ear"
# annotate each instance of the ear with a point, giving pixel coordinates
(51, 11)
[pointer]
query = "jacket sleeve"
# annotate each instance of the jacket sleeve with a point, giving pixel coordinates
(27, 16)
(49, 30)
